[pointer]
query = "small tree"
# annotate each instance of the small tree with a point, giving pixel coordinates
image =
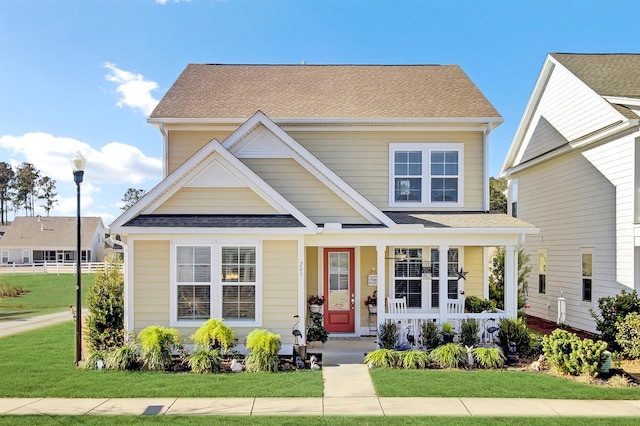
(131, 197)
(612, 310)
(497, 199)
(105, 321)
(496, 277)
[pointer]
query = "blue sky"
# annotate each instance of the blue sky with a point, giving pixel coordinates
(85, 74)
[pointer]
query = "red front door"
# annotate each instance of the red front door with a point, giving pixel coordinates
(339, 309)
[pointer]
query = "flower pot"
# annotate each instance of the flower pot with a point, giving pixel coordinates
(372, 309)
(315, 308)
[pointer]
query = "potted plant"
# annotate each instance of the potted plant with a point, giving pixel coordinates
(447, 332)
(371, 302)
(315, 303)
(316, 331)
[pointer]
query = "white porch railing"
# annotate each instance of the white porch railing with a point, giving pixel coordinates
(51, 268)
(411, 323)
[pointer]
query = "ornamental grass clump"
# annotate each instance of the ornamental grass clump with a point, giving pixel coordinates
(566, 353)
(204, 360)
(383, 358)
(125, 357)
(157, 345)
(414, 359)
(489, 357)
(264, 346)
(214, 334)
(450, 355)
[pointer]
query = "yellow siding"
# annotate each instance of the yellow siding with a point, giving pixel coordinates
(303, 190)
(280, 284)
(475, 265)
(215, 201)
(362, 160)
(312, 270)
(368, 260)
(151, 284)
(184, 143)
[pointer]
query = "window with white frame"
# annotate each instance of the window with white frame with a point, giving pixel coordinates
(587, 275)
(407, 275)
(215, 281)
(26, 256)
(542, 271)
(5, 256)
(452, 270)
(426, 174)
(513, 197)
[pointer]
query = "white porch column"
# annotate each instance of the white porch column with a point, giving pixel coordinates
(380, 289)
(443, 281)
(510, 281)
(302, 296)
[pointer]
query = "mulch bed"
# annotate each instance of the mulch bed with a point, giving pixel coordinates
(546, 327)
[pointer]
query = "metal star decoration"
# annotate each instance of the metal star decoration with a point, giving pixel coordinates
(462, 275)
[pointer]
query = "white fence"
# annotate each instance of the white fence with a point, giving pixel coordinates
(51, 268)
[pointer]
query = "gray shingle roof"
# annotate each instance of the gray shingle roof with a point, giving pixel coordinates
(52, 232)
(458, 220)
(323, 91)
(214, 221)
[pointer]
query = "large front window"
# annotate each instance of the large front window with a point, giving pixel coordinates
(193, 278)
(238, 283)
(408, 275)
(426, 174)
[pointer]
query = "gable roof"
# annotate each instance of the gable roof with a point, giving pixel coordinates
(324, 92)
(49, 232)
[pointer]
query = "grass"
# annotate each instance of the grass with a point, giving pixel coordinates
(39, 363)
(312, 421)
(48, 293)
(489, 384)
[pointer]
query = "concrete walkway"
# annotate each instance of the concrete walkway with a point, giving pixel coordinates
(15, 326)
(348, 390)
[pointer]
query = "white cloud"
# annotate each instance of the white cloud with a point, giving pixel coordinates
(134, 90)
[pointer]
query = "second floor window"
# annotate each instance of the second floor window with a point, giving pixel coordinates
(426, 175)
(542, 271)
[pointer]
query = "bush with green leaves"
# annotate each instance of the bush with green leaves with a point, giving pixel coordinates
(514, 330)
(125, 357)
(105, 321)
(489, 357)
(383, 358)
(429, 334)
(387, 335)
(613, 309)
(469, 330)
(450, 355)
(204, 360)
(566, 353)
(628, 335)
(475, 304)
(414, 359)
(264, 346)
(214, 334)
(157, 345)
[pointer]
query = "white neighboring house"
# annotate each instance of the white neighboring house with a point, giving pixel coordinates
(574, 171)
(36, 240)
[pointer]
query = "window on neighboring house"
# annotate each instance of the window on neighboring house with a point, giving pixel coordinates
(5, 256)
(426, 174)
(408, 276)
(239, 283)
(26, 256)
(193, 278)
(542, 271)
(513, 197)
(452, 270)
(587, 276)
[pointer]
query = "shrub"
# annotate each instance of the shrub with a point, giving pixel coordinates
(628, 335)
(385, 358)
(316, 331)
(450, 355)
(612, 310)
(514, 330)
(157, 345)
(489, 357)
(568, 354)
(105, 321)
(414, 359)
(264, 346)
(430, 334)
(469, 329)
(213, 334)
(387, 335)
(204, 360)
(125, 357)
(475, 304)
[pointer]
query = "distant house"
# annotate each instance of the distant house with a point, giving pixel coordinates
(574, 172)
(35, 240)
(285, 181)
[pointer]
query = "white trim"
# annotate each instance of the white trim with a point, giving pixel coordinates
(426, 148)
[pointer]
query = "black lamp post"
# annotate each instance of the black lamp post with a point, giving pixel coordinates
(78, 162)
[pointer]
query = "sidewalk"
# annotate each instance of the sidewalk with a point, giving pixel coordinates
(348, 390)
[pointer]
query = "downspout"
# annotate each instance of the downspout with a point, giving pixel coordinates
(485, 144)
(165, 150)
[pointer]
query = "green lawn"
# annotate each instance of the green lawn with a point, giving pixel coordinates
(48, 293)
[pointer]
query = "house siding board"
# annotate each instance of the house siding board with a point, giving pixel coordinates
(280, 287)
(215, 201)
(151, 283)
(312, 197)
(475, 265)
(362, 160)
(586, 219)
(184, 143)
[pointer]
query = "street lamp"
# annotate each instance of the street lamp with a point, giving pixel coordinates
(78, 162)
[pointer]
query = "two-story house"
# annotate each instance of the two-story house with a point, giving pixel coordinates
(574, 173)
(285, 181)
